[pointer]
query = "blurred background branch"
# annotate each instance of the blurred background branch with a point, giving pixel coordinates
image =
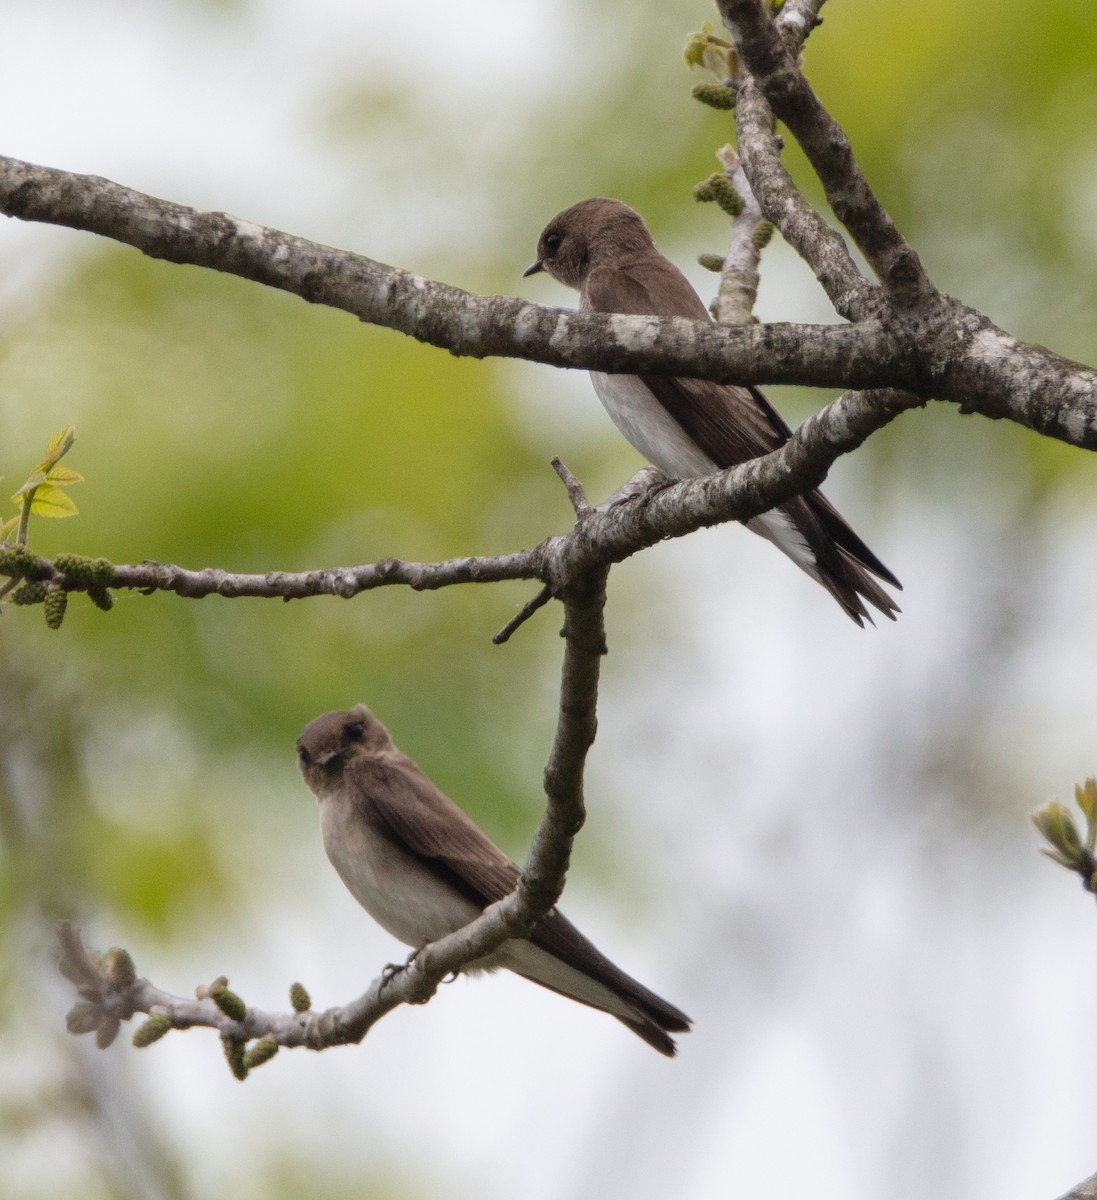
(844, 815)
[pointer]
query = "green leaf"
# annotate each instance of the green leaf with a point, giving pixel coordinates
(52, 502)
(695, 46)
(1055, 823)
(719, 58)
(1085, 796)
(7, 527)
(58, 446)
(60, 476)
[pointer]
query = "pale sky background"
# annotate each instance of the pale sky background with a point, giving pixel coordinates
(892, 990)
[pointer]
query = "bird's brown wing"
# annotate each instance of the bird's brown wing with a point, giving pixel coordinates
(395, 796)
(735, 424)
(730, 424)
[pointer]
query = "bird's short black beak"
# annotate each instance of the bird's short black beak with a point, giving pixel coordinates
(534, 269)
(319, 760)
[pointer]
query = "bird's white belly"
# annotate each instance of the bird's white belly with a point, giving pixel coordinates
(649, 428)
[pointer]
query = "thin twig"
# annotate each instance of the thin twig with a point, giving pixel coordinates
(576, 494)
(774, 69)
(522, 615)
(607, 534)
(738, 291)
(818, 244)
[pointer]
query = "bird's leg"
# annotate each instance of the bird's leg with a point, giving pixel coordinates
(391, 970)
(643, 487)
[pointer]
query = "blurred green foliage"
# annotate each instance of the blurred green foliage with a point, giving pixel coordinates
(223, 424)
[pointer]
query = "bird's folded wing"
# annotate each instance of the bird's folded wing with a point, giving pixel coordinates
(397, 797)
(730, 424)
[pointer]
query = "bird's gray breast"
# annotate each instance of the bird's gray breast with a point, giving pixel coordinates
(399, 891)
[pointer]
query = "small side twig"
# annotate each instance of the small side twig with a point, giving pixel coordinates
(522, 616)
(734, 303)
(576, 494)
(578, 497)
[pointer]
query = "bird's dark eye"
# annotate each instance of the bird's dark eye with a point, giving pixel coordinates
(354, 731)
(552, 244)
(303, 756)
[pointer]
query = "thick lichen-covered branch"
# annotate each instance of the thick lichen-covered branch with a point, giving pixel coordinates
(928, 344)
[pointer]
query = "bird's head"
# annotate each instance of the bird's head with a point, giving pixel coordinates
(326, 744)
(592, 233)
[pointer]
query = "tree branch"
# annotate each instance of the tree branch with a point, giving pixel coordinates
(796, 20)
(939, 349)
(431, 312)
(773, 67)
(1086, 1190)
(578, 565)
(601, 537)
(738, 291)
(782, 202)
